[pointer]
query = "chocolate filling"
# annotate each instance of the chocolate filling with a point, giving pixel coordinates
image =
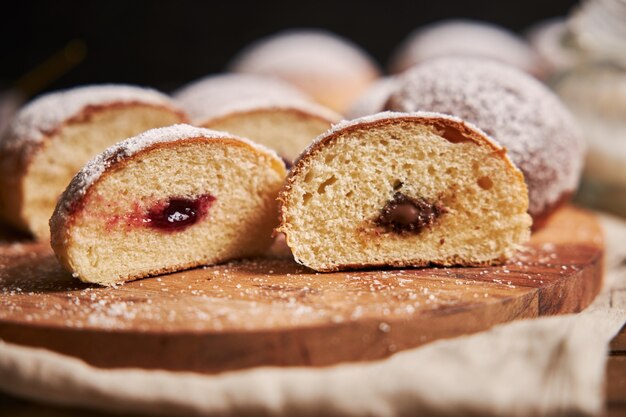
(407, 214)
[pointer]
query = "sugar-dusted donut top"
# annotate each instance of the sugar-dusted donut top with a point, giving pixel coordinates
(46, 113)
(220, 95)
(305, 52)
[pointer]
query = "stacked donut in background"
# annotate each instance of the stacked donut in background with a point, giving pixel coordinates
(453, 87)
(332, 70)
(53, 136)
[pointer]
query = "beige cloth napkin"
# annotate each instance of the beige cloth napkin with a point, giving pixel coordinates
(548, 366)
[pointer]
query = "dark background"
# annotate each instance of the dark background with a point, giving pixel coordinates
(167, 43)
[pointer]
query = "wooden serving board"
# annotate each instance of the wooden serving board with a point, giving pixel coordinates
(275, 312)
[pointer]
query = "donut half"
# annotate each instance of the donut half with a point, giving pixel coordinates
(403, 189)
(167, 200)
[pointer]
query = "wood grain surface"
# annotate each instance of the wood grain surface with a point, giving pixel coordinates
(275, 312)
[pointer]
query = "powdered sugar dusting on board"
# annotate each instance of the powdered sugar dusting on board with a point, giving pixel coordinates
(516, 110)
(220, 95)
(94, 169)
(258, 294)
(46, 113)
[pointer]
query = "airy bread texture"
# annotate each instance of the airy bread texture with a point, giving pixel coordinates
(267, 110)
(118, 220)
(52, 137)
(339, 206)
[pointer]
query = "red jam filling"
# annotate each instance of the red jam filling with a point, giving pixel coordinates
(178, 213)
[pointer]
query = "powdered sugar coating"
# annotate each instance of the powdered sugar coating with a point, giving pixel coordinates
(465, 38)
(374, 98)
(220, 95)
(516, 110)
(93, 170)
(333, 70)
(307, 52)
(46, 113)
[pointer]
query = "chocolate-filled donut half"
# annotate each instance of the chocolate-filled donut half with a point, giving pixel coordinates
(402, 189)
